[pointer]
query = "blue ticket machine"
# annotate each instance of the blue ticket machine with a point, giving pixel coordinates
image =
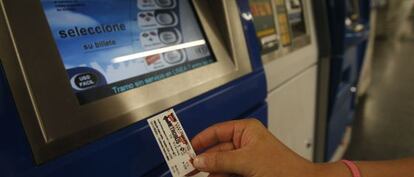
(349, 34)
(79, 78)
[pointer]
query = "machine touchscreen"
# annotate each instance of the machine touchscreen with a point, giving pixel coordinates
(112, 46)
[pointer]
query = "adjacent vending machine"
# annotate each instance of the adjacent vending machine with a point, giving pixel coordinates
(349, 25)
(286, 39)
(78, 79)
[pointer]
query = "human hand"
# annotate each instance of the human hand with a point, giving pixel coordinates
(247, 148)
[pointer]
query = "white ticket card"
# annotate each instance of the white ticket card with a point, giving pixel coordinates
(174, 143)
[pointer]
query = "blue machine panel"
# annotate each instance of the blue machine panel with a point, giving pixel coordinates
(131, 151)
(348, 50)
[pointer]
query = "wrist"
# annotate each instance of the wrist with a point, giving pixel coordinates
(337, 169)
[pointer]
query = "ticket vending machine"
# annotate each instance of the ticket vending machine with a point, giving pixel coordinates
(78, 78)
(286, 37)
(370, 14)
(349, 34)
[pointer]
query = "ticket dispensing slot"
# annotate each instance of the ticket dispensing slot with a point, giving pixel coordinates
(86, 71)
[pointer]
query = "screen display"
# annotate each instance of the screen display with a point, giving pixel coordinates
(113, 46)
(264, 22)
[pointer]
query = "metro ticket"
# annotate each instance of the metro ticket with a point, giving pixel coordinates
(173, 143)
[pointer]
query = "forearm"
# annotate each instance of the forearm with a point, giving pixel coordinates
(337, 169)
(401, 168)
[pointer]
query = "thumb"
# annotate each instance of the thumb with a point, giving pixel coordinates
(220, 162)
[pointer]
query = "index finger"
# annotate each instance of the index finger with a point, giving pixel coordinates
(223, 132)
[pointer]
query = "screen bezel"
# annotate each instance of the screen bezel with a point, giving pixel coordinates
(56, 123)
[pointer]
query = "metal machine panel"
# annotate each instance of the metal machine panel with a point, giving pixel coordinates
(54, 120)
(290, 60)
(293, 112)
(286, 34)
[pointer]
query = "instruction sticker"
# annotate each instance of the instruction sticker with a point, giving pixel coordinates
(174, 143)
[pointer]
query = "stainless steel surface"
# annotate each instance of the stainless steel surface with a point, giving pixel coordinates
(308, 144)
(292, 88)
(271, 56)
(54, 121)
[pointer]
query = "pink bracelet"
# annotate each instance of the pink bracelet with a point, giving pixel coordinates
(354, 169)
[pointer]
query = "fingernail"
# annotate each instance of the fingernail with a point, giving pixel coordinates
(199, 162)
